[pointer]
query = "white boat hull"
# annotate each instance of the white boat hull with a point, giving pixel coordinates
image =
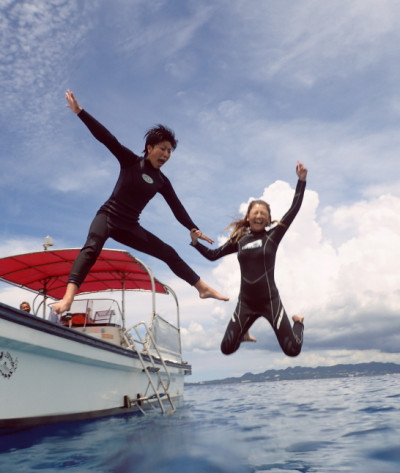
(51, 373)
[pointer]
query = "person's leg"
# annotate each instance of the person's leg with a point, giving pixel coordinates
(98, 234)
(238, 326)
(290, 339)
(142, 240)
(65, 303)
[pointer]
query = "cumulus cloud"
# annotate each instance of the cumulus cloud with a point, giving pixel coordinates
(340, 271)
(249, 88)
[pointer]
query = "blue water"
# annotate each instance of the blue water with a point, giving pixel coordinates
(334, 425)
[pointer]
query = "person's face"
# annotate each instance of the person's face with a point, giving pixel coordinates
(258, 218)
(25, 307)
(159, 154)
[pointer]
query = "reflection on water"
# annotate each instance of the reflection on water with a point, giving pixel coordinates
(331, 425)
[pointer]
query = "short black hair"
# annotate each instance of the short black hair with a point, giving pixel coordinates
(157, 134)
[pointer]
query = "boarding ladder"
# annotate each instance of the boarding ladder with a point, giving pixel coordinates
(161, 390)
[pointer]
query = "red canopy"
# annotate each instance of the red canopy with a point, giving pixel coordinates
(46, 272)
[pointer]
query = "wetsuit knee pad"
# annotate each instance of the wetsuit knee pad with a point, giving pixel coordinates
(228, 348)
(225, 350)
(291, 349)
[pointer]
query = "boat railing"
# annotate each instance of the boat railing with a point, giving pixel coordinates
(89, 312)
(167, 339)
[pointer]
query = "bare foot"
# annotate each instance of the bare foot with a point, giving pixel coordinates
(212, 294)
(61, 306)
(66, 301)
(298, 318)
(248, 338)
(207, 292)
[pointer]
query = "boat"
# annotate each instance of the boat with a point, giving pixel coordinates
(86, 363)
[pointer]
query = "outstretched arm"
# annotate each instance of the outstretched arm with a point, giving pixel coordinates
(196, 234)
(123, 154)
(72, 102)
(226, 249)
(179, 210)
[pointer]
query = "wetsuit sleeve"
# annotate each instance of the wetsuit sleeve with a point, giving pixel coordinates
(213, 254)
(289, 216)
(176, 206)
(124, 155)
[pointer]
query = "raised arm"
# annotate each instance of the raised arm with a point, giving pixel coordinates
(72, 102)
(301, 171)
(123, 154)
(290, 215)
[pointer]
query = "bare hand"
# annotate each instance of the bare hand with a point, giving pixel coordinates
(72, 102)
(301, 171)
(196, 234)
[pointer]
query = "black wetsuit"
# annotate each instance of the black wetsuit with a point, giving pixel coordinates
(259, 295)
(118, 218)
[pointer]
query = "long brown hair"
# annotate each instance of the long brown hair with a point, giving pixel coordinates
(241, 226)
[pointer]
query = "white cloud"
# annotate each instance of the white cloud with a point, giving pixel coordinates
(346, 290)
(20, 245)
(314, 40)
(249, 87)
(167, 37)
(38, 43)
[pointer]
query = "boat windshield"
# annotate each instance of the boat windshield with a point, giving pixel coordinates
(90, 312)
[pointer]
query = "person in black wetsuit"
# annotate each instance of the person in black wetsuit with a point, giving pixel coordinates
(256, 247)
(139, 180)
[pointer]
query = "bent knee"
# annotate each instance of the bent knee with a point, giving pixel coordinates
(293, 353)
(291, 348)
(227, 349)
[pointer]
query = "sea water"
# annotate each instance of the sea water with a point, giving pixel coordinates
(321, 425)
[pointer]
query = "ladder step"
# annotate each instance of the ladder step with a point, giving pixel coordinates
(162, 389)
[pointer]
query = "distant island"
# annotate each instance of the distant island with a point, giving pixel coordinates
(298, 372)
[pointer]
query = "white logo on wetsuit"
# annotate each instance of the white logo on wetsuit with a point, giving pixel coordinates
(252, 245)
(147, 178)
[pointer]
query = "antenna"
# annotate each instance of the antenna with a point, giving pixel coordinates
(48, 241)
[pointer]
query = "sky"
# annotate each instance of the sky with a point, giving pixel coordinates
(249, 87)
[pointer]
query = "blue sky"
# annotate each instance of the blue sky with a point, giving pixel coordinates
(249, 87)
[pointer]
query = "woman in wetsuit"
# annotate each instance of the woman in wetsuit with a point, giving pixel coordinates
(256, 248)
(139, 180)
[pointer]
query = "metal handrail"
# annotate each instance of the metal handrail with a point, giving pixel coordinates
(144, 342)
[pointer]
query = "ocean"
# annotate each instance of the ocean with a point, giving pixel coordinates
(321, 425)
